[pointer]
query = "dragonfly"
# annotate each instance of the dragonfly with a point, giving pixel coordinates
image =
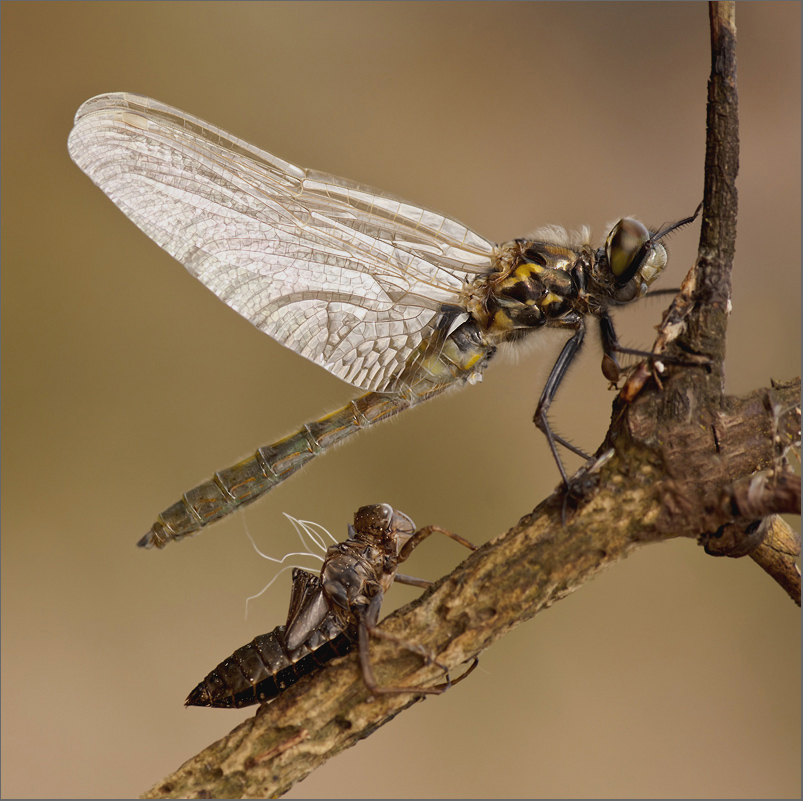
(330, 614)
(394, 298)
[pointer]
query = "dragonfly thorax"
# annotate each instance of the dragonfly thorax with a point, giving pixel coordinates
(366, 562)
(535, 284)
(555, 283)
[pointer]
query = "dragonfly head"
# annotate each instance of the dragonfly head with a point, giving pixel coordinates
(382, 523)
(635, 257)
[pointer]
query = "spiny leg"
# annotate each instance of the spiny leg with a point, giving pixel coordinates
(367, 626)
(423, 533)
(412, 581)
(611, 346)
(556, 375)
(427, 656)
(415, 541)
(368, 618)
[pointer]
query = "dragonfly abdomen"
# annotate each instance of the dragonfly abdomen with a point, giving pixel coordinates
(266, 667)
(435, 367)
(250, 479)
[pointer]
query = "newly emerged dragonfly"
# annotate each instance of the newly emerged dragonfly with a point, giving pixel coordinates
(391, 297)
(328, 616)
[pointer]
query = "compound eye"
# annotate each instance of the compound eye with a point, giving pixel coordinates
(626, 249)
(402, 525)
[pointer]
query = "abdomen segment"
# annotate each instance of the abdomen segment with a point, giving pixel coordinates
(250, 479)
(265, 668)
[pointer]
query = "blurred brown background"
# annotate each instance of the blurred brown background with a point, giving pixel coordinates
(125, 383)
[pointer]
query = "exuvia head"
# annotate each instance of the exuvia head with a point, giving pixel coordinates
(382, 520)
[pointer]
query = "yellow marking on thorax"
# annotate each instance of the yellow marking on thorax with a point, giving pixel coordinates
(550, 298)
(526, 269)
(502, 321)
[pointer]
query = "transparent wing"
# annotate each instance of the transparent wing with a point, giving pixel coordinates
(348, 277)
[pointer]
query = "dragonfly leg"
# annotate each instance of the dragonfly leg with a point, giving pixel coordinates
(367, 628)
(474, 660)
(611, 346)
(423, 533)
(556, 375)
(412, 581)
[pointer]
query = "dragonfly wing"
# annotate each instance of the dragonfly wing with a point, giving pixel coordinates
(351, 278)
(308, 608)
(305, 585)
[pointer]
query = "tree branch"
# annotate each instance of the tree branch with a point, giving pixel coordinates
(679, 460)
(778, 553)
(504, 583)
